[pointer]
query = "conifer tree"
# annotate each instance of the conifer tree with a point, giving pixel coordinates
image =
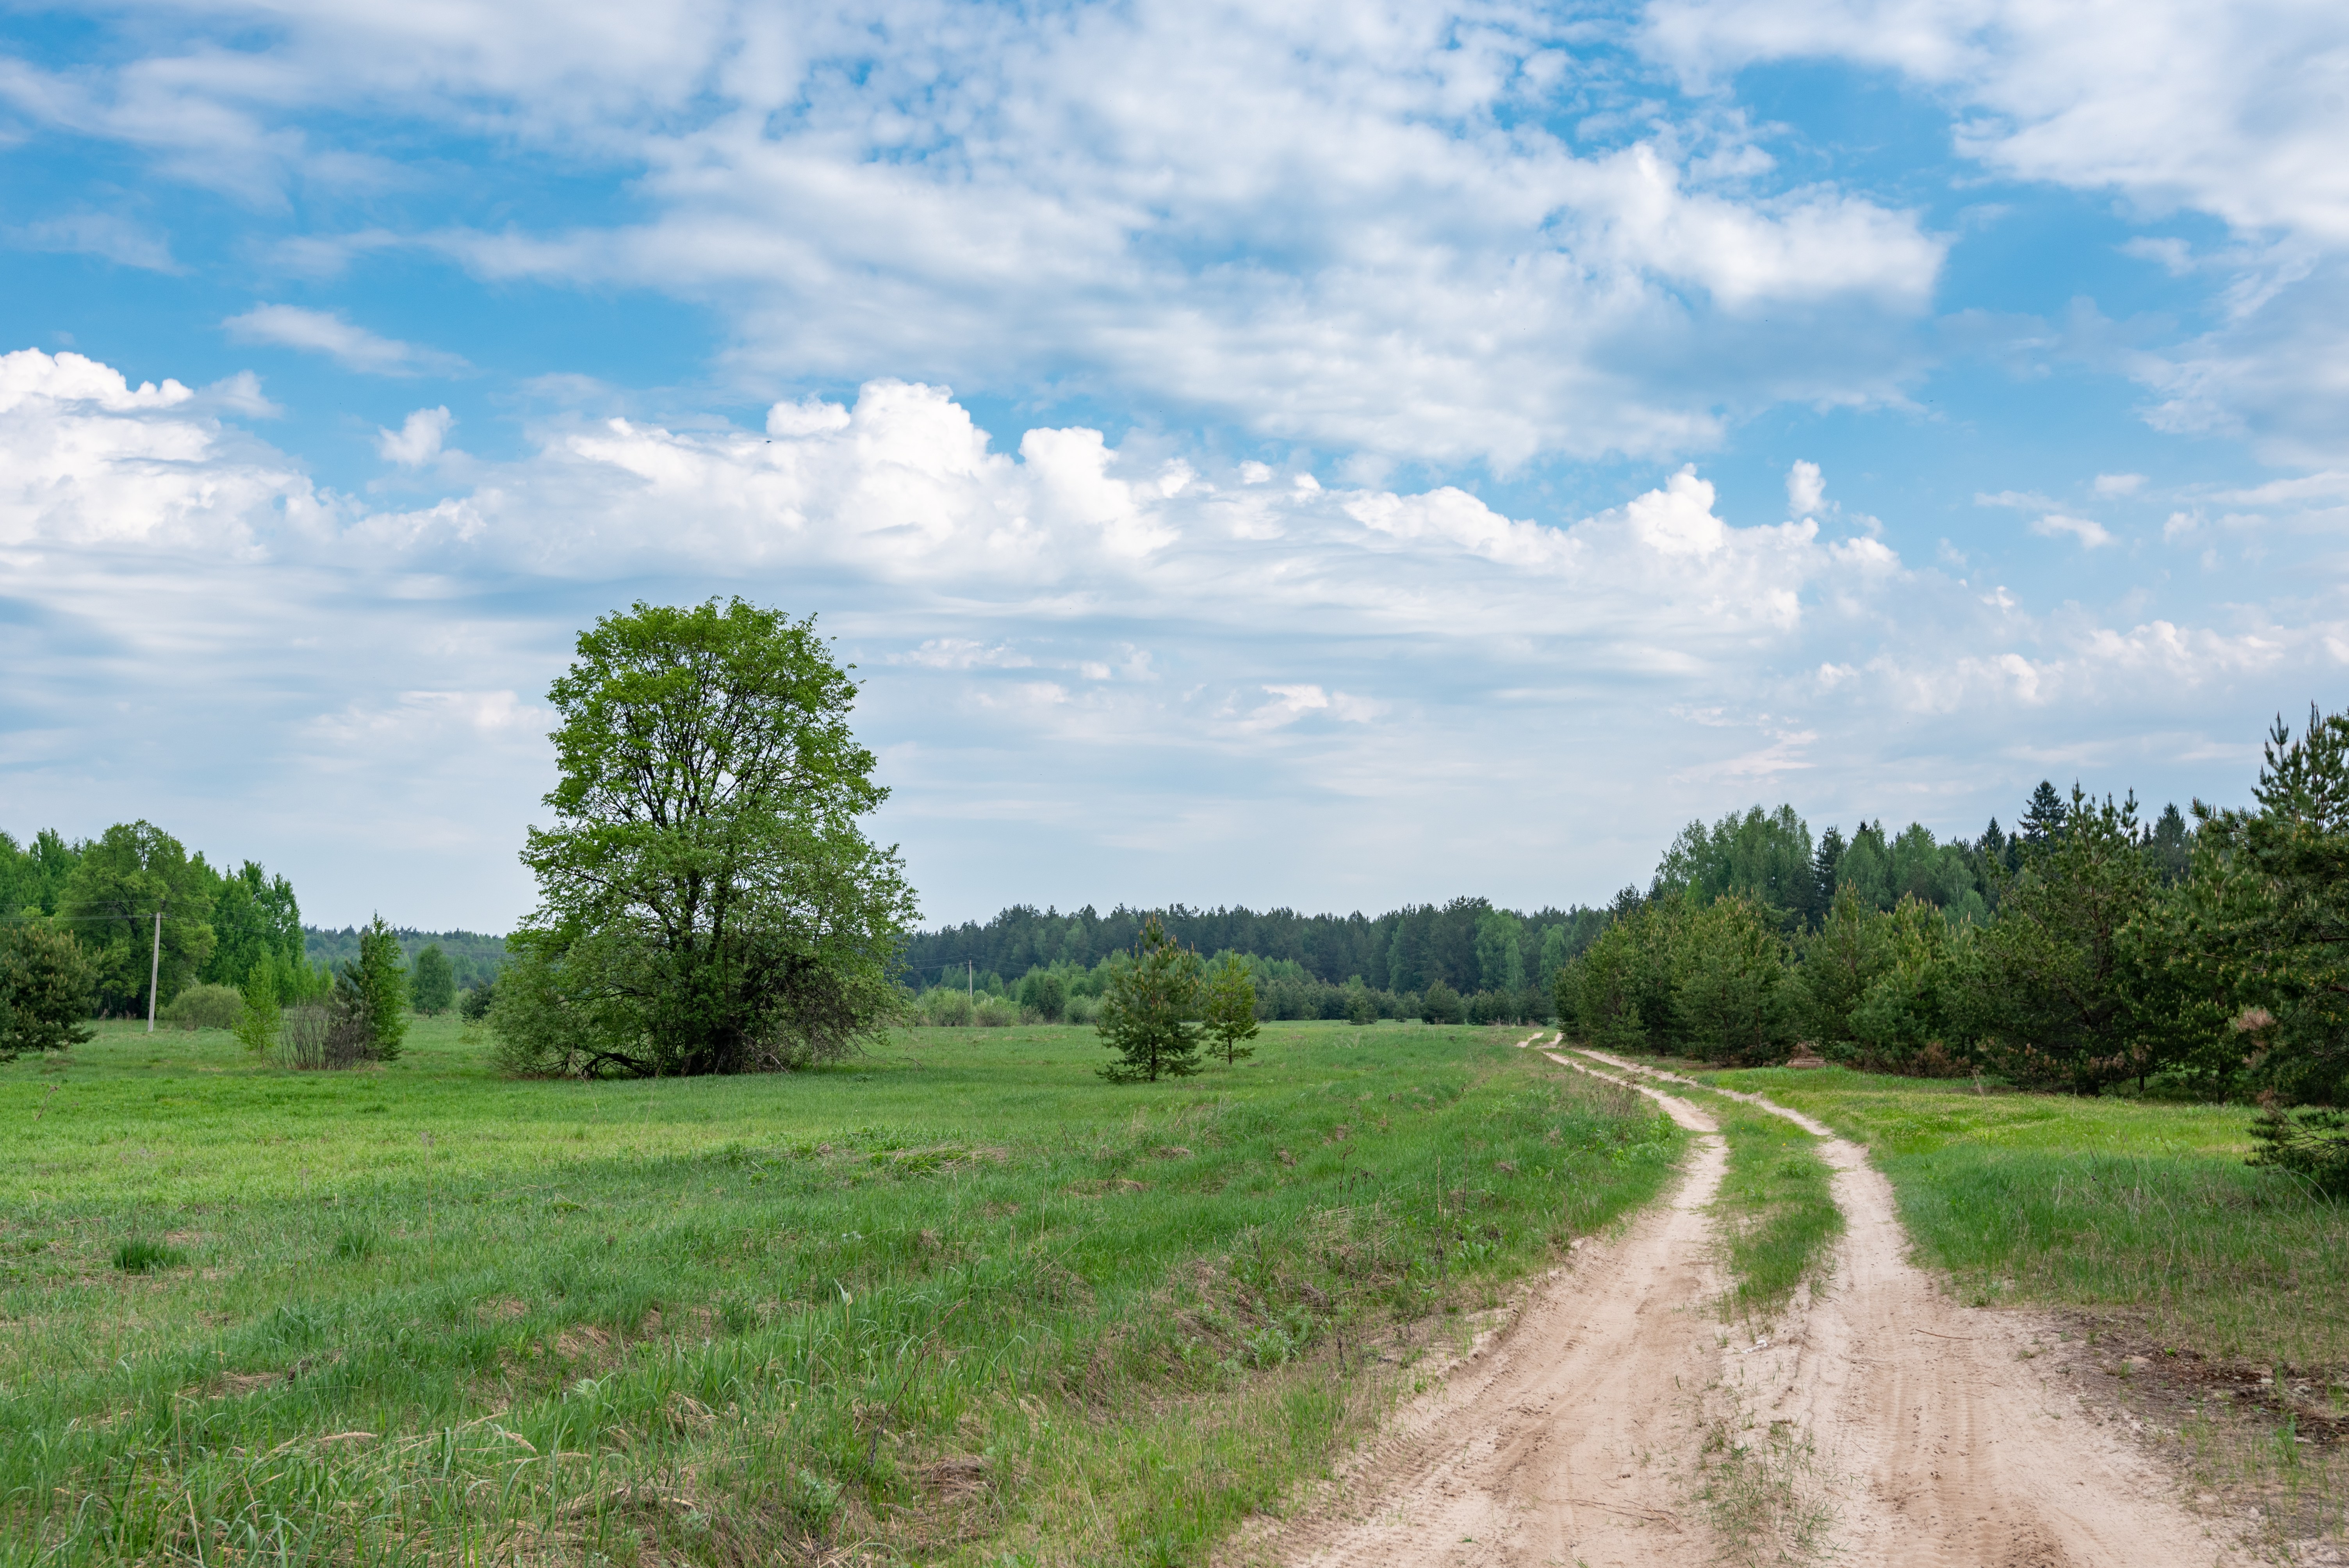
(257, 1025)
(1150, 1014)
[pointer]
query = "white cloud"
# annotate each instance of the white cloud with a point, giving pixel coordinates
(324, 331)
(418, 439)
(2119, 484)
(122, 239)
(1806, 490)
(1322, 668)
(2056, 525)
(1371, 240)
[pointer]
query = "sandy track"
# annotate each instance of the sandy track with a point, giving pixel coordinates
(1574, 1438)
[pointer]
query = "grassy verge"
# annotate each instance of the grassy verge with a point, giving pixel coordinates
(2217, 1296)
(959, 1302)
(1776, 1207)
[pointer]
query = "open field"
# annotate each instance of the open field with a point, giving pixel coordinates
(959, 1302)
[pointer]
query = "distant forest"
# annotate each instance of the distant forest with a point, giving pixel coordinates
(475, 958)
(1469, 947)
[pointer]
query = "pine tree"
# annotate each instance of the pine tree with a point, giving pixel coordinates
(1150, 1014)
(1231, 1010)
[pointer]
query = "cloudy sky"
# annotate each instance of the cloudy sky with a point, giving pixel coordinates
(1319, 454)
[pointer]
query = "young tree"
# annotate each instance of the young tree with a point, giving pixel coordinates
(1734, 999)
(432, 981)
(1231, 1009)
(373, 989)
(706, 892)
(1149, 1016)
(262, 1016)
(47, 986)
(1044, 994)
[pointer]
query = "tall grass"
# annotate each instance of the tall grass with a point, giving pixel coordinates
(956, 1300)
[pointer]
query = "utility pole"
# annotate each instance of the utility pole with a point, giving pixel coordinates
(155, 967)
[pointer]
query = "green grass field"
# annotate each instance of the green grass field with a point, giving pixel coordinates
(2106, 1203)
(959, 1301)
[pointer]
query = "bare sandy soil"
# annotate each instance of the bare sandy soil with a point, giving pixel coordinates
(1621, 1420)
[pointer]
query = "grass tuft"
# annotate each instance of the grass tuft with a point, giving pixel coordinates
(354, 1246)
(139, 1255)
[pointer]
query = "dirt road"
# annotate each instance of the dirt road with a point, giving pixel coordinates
(1621, 1421)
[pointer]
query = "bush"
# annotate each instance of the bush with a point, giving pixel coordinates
(943, 1008)
(204, 1007)
(1080, 1009)
(473, 1003)
(995, 1013)
(317, 1036)
(1044, 994)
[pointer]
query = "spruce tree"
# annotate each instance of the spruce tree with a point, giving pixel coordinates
(1827, 867)
(373, 988)
(2043, 820)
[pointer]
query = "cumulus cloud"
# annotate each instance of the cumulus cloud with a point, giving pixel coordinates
(1063, 640)
(327, 333)
(418, 439)
(1804, 487)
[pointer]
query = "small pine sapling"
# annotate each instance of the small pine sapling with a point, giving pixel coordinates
(1231, 1010)
(1150, 1014)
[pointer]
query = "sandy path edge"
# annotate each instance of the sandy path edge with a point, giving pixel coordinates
(1935, 1433)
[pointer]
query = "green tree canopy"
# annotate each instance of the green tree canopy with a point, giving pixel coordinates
(432, 980)
(707, 900)
(1231, 1008)
(121, 879)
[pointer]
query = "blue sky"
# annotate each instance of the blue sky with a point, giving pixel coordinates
(1323, 455)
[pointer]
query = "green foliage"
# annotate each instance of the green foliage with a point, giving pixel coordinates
(254, 916)
(32, 877)
(373, 989)
(121, 879)
(432, 981)
(1045, 993)
(1906, 1020)
(1500, 955)
(1441, 1005)
(47, 987)
(260, 1016)
(1230, 1010)
(204, 1007)
(705, 898)
(2268, 912)
(2312, 1145)
(1149, 1016)
(473, 1005)
(1765, 859)
(1734, 999)
(2062, 985)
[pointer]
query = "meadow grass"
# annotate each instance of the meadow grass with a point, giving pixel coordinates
(959, 1301)
(2102, 1204)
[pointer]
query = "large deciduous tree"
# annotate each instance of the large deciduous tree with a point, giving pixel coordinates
(707, 901)
(121, 879)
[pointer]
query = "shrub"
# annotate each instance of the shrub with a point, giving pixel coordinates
(943, 1008)
(319, 1037)
(204, 1007)
(1044, 994)
(1441, 1005)
(473, 1003)
(1080, 1009)
(995, 1013)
